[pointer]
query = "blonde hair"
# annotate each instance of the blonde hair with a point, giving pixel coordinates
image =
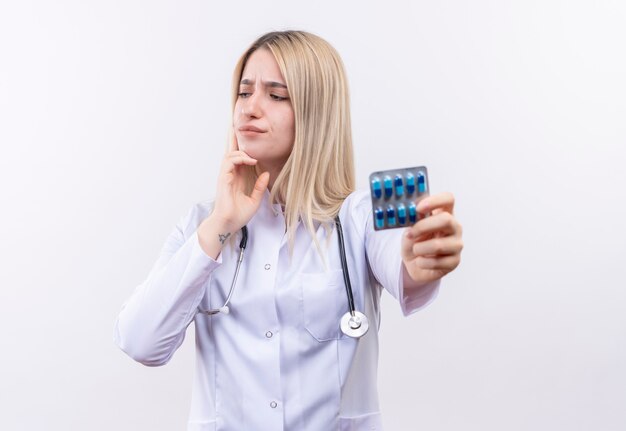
(319, 173)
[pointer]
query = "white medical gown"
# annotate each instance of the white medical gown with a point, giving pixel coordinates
(278, 361)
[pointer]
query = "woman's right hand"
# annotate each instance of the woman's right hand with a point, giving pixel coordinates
(233, 209)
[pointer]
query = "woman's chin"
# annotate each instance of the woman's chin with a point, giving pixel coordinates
(246, 146)
(249, 150)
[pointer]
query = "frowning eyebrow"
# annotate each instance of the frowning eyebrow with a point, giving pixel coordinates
(271, 84)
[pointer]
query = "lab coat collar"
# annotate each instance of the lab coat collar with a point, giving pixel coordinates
(276, 209)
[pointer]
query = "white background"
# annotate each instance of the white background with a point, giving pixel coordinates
(113, 118)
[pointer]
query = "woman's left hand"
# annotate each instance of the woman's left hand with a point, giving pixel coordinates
(431, 248)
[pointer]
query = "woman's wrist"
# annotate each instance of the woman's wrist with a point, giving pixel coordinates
(213, 234)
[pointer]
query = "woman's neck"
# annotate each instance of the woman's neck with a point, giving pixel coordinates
(274, 172)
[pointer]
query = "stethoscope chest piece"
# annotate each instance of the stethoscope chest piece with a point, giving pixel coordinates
(354, 326)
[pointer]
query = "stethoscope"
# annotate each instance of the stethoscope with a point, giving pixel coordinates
(354, 323)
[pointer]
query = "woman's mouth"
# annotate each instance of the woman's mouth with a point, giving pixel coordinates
(250, 130)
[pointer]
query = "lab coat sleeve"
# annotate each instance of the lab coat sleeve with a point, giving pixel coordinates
(153, 321)
(383, 249)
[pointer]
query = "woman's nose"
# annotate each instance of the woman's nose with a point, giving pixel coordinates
(252, 107)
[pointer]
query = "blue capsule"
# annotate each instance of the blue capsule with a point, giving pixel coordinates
(376, 188)
(388, 186)
(410, 184)
(421, 182)
(391, 216)
(380, 218)
(412, 213)
(401, 214)
(399, 185)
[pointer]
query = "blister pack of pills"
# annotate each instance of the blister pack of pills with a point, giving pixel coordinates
(395, 194)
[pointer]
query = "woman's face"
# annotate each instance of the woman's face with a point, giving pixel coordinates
(263, 117)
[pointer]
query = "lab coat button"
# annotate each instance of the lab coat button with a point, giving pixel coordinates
(267, 266)
(273, 404)
(269, 334)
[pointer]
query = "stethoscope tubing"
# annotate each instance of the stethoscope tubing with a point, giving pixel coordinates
(344, 266)
(354, 323)
(242, 248)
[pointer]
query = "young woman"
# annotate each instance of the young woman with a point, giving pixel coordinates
(270, 351)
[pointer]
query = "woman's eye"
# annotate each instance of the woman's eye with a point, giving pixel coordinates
(277, 97)
(243, 94)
